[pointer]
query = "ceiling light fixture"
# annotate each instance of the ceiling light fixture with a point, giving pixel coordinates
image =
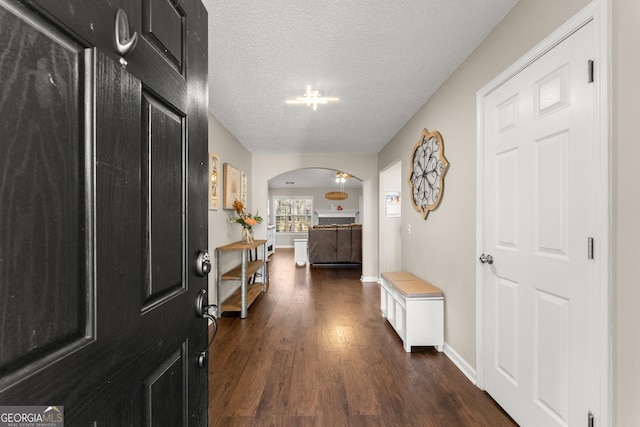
(336, 195)
(341, 178)
(312, 98)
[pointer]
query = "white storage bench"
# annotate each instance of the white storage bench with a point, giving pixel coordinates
(415, 309)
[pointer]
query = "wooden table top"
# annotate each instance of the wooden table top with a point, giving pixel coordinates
(240, 245)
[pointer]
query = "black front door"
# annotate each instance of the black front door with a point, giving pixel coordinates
(103, 210)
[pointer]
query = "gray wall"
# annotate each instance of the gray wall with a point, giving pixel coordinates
(626, 212)
(221, 231)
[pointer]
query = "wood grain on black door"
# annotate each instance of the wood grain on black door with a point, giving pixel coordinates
(103, 211)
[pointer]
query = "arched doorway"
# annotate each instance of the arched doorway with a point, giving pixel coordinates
(363, 166)
(317, 192)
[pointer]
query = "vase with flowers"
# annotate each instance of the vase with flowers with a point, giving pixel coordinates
(245, 219)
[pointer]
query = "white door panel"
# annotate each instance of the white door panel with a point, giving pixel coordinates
(538, 215)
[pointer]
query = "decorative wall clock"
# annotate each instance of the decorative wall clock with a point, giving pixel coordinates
(428, 167)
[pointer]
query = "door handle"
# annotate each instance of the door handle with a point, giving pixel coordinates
(202, 310)
(486, 259)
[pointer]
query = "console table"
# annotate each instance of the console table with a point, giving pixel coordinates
(243, 297)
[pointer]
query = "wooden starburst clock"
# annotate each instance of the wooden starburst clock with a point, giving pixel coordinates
(428, 167)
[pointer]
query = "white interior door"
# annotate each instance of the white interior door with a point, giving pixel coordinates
(538, 216)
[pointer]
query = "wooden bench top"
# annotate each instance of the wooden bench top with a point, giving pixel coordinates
(411, 286)
(395, 276)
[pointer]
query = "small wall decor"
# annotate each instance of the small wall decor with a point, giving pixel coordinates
(393, 205)
(243, 189)
(428, 167)
(214, 178)
(232, 185)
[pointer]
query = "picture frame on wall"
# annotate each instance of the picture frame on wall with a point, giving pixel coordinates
(393, 205)
(232, 185)
(214, 178)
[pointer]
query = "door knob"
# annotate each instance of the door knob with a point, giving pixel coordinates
(203, 263)
(486, 259)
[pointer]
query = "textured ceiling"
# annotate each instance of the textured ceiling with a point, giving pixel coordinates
(382, 58)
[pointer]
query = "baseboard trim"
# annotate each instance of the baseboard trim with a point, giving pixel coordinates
(369, 279)
(462, 364)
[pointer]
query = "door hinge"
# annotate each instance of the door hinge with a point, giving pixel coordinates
(590, 70)
(591, 420)
(590, 248)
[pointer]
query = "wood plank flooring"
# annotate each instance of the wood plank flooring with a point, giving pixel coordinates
(315, 351)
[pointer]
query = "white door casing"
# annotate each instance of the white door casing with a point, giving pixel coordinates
(542, 186)
(390, 235)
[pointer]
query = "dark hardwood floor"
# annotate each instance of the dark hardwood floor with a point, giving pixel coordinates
(315, 351)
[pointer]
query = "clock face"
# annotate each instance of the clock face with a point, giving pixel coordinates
(428, 166)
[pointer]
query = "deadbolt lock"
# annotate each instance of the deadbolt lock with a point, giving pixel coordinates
(203, 263)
